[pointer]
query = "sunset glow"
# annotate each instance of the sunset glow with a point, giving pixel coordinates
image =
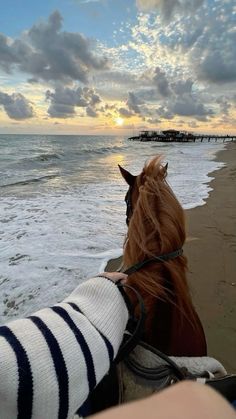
(119, 121)
(105, 67)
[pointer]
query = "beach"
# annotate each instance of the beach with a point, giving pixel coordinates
(211, 252)
(65, 195)
(42, 192)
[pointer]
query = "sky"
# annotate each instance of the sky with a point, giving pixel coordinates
(117, 66)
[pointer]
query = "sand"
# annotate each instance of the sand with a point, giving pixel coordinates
(211, 252)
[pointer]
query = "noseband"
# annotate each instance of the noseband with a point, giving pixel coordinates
(157, 259)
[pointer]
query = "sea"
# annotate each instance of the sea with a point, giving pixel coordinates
(62, 209)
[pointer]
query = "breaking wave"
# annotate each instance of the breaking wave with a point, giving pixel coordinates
(29, 181)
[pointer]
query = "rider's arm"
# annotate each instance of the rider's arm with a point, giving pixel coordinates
(185, 400)
(50, 361)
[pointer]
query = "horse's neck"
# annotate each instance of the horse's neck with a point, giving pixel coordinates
(167, 328)
(187, 339)
(171, 332)
(159, 325)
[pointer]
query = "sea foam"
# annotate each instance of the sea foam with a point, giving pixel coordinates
(58, 232)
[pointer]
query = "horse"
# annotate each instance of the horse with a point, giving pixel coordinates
(157, 268)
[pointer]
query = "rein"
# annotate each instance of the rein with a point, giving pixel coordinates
(157, 259)
(131, 340)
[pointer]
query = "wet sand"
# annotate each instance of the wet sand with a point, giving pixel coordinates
(211, 252)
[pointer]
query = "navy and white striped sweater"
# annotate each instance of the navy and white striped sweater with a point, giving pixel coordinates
(50, 361)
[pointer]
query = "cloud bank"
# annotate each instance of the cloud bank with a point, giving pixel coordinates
(65, 100)
(167, 8)
(175, 62)
(49, 54)
(16, 106)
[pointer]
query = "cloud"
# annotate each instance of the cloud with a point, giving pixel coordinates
(188, 106)
(181, 87)
(12, 53)
(166, 64)
(125, 112)
(168, 97)
(161, 82)
(134, 103)
(91, 112)
(193, 124)
(132, 106)
(200, 39)
(16, 106)
(64, 100)
(176, 96)
(164, 112)
(118, 77)
(93, 98)
(219, 66)
(180, 98)
(49, 54)
(168, 7)
(113, 84)
(224, 105)
(209, 40)
(153, 121)
(33, 81)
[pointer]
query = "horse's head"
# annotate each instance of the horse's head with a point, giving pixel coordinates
(156, 227)
(135, 182)
(154, 216)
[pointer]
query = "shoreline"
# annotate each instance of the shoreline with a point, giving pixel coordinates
(211, 251)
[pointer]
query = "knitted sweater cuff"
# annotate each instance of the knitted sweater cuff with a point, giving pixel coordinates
(102, 303)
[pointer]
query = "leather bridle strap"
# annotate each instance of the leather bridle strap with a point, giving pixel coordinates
(157, 259)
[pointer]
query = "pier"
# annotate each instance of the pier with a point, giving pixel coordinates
(170, 136)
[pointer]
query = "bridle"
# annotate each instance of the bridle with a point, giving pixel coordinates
(129, 208)
(157, 259)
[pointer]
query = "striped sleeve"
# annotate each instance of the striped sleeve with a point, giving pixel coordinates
(50, 361)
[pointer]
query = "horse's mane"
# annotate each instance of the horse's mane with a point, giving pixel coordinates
(156, 227)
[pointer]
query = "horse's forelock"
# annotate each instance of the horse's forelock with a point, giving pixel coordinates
(157, 224)
(156, 212)
(154, 167)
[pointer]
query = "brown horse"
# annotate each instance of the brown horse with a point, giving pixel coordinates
(156, 227)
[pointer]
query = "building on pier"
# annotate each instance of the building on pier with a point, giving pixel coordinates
(173, 135)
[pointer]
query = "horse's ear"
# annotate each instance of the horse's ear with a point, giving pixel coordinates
(165, 169)
(129, 178)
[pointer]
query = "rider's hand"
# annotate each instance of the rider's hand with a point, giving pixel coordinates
(115, 276)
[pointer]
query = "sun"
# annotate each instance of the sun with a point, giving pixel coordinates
(119, 121)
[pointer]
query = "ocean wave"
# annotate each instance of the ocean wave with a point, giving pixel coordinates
(101, 150)
(75, 228)
(46, 157)
(29, 181)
